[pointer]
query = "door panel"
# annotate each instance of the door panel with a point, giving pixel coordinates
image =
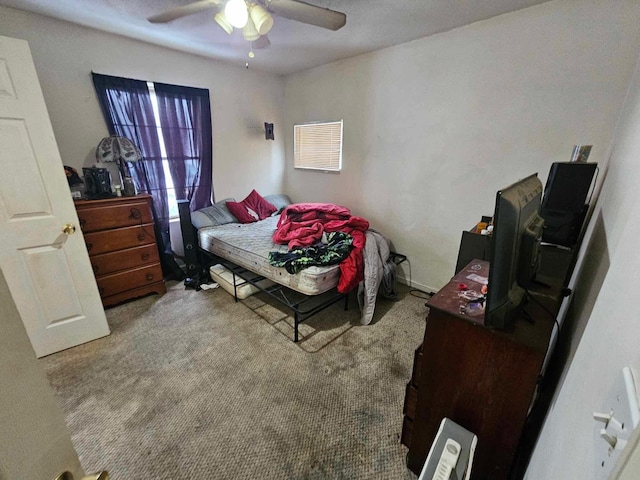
(19, 159)
(47, 271)
(44, 264)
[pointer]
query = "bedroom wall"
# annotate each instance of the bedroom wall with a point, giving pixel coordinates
(34, 440)
(65, 54)
(610, 329)
(432, 128)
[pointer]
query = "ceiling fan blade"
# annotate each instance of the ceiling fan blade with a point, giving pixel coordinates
(262, 42)
(183, 11)
(307, 13)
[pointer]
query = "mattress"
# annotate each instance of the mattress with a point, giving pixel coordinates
(248, 245)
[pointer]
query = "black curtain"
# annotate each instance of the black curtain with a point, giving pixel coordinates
(185, 118)
(126, 106)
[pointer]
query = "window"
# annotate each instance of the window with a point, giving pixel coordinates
(171, 191)
(171, 124)
(318, 146)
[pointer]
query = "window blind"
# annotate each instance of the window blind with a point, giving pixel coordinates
(318, 146)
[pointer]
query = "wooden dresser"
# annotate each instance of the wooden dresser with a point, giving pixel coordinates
(481, 378)
(122, 247)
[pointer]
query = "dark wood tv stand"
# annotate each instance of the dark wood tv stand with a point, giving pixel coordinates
(481, 378)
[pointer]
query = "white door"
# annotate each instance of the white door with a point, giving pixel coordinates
(47, 270)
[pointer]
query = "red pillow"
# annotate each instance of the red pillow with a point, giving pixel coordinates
(252, 208)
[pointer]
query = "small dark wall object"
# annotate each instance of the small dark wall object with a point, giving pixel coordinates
(581, 153)
(194, 270)
(268, 131)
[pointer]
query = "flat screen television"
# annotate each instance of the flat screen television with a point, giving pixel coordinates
(515, 249)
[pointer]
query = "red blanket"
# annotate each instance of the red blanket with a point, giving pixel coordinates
(302, 225)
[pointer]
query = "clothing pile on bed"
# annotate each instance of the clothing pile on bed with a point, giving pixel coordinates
(326, 234)
(303, 224)
(332, 249)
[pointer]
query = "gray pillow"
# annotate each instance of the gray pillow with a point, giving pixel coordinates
(279, 201)
(216, 214)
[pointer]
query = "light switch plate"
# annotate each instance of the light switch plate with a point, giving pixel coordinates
(622, 406)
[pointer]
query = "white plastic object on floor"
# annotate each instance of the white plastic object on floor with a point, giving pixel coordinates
(224, 277)
(452, 451)
(448, 460)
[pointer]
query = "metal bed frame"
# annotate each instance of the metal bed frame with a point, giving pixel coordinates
(303, 306)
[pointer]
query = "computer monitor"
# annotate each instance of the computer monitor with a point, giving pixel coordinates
(515, 255)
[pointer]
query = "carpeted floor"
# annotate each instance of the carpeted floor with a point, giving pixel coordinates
(191, 385)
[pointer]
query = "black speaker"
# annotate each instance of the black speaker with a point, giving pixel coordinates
(189, 242)
(98, 183)
(564, 206)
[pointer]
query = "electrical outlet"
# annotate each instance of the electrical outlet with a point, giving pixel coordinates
(615, 422)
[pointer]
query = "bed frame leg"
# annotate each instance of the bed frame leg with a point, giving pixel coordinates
(296, 321)
(235, 288)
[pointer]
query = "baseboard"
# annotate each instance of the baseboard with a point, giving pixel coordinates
(416, 285)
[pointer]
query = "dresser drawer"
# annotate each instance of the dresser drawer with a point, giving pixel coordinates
(118, 239)
(124, 259)
(407, 431)
(410, 401)
(118, 298)
(102, 217)
(417, 367)
(128, 279)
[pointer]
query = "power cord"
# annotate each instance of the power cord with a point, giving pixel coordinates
(544, 307)
(136, 214)
(416, 292)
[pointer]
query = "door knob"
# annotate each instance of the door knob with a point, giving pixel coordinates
(68, 228)
(97, 476)
(94, 476)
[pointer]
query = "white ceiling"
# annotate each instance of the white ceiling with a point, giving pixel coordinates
(371, 25)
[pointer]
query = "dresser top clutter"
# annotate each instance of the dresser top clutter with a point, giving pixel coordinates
(121, 242)
(456, 296)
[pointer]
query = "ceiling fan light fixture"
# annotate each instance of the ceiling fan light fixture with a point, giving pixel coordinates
(236, 12)
(262, 19)
(221, 20)
(249, 31)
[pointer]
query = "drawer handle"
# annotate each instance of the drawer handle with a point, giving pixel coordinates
(101, 290)
(145, 256)
(95, 268)
(149, 276)
(135, 213)
(82, 222)
(141, 236)
(89, 246)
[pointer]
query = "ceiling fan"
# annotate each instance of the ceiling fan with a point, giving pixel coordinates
(254, 17)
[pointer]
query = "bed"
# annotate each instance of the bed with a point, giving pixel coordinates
(243, 248)
(248, 245)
